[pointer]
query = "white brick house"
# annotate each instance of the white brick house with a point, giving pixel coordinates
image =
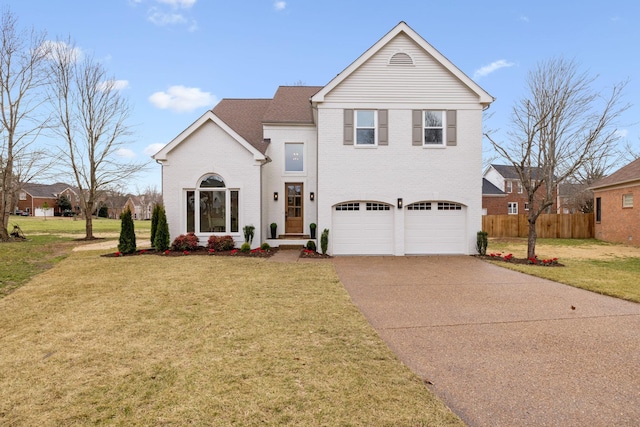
(386, 156)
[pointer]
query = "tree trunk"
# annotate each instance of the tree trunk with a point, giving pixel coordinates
(4, 233)
(88, 226)
(531, 240)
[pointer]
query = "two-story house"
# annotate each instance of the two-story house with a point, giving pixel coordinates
(506, 194)
(33, 197)
(385, 156)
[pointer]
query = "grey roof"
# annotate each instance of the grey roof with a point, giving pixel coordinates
(488, 189)
(291, 104)
(46, 190)
(628, 173)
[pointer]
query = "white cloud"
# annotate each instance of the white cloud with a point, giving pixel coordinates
(280, 5)
(524, 18)
(184, 4)
(57, 48)
(488, 69)
(152, 149)
(113, 85)
(161, 18)
(126, 153)
(182, 99)
(622, 133)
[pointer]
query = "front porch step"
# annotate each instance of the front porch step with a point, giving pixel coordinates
(291, 247)
(294, 236)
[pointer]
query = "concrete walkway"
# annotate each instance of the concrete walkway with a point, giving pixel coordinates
(503, 348)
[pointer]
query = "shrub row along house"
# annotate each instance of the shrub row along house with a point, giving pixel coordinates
(375, 156)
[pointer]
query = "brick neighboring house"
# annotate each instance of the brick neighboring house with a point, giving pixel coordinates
(493, 199)
(139, 206)
(617, 219)
(32, 197)
(506, 179)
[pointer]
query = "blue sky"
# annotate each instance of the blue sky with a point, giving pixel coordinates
(177, 58)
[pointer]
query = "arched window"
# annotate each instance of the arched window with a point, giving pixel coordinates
(212, 207)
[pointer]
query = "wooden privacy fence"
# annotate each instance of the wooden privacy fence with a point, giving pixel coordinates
(548, 226)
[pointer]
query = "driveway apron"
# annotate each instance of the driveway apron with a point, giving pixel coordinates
(502, 348)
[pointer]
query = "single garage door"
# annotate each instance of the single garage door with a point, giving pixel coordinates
(435, 228)
(362, 228)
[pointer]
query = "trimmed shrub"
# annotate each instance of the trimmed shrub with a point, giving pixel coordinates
(154, 222)
(127, 242)
(324, 241)
(246, 248)
(221, 243)
(185, 242)
(482, 242)
(265, 246)
(161, 239)
(248, 231)
(311, 245)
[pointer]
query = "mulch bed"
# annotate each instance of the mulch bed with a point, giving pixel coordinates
(201, 251)
(306, 253)
(524, 261)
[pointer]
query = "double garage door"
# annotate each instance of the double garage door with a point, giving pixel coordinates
(367, 228)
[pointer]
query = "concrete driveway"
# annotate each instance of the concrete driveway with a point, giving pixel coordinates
(503, 348)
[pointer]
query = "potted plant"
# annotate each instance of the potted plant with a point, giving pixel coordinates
(274, 226)
(312, 226)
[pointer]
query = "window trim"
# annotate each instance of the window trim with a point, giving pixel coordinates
(443, 143)
(508, 186)
(519, 187)
(627, 201)
(510, 208)
(195, 221)
(356, 127)
(303, 153)
(598, 209)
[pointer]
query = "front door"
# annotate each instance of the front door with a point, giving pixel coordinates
(293, 212)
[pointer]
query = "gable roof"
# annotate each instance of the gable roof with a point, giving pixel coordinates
(49, 191)
(245, 117)
(488, 189)
(402, 27)
(624, 175)
(509, 171)
(291, 104)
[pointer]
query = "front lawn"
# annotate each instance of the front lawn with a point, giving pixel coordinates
(597, 266)
(199, 341)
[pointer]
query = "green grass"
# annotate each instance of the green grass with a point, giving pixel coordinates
(195, 340)
(61, 225)
(605, 268)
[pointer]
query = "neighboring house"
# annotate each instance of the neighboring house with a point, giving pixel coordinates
(617, 213)
(574, 198)
(493, 198)
(506, 179)
(140, 207)
(32, 198)
(386, 156)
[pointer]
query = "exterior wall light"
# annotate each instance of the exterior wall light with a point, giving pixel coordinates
(399, 203)
(312, 196)
(275, 196)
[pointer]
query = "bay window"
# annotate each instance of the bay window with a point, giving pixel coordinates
(212, 208)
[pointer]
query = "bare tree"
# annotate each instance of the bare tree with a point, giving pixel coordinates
(561, 125)
(90, 117)
(22, 80)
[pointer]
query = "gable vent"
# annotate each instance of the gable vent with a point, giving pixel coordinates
(401, 58)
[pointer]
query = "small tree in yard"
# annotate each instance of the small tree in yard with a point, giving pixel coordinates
(45, 209)
(154, 222)
(161, 241)
(127, 242)
(558, 127)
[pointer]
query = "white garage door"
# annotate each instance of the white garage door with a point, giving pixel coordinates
(362, 228)
(435, 228)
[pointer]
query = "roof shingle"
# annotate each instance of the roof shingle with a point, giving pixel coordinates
(628, 173)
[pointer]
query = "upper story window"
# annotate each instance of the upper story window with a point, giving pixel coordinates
(23, 195)
(509, 186)
(294, 157)
(627, 200)
(519, 187)
(434, 127)
(365, 127)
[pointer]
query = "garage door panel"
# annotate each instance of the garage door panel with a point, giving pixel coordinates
(434, 231)
(362, 231)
